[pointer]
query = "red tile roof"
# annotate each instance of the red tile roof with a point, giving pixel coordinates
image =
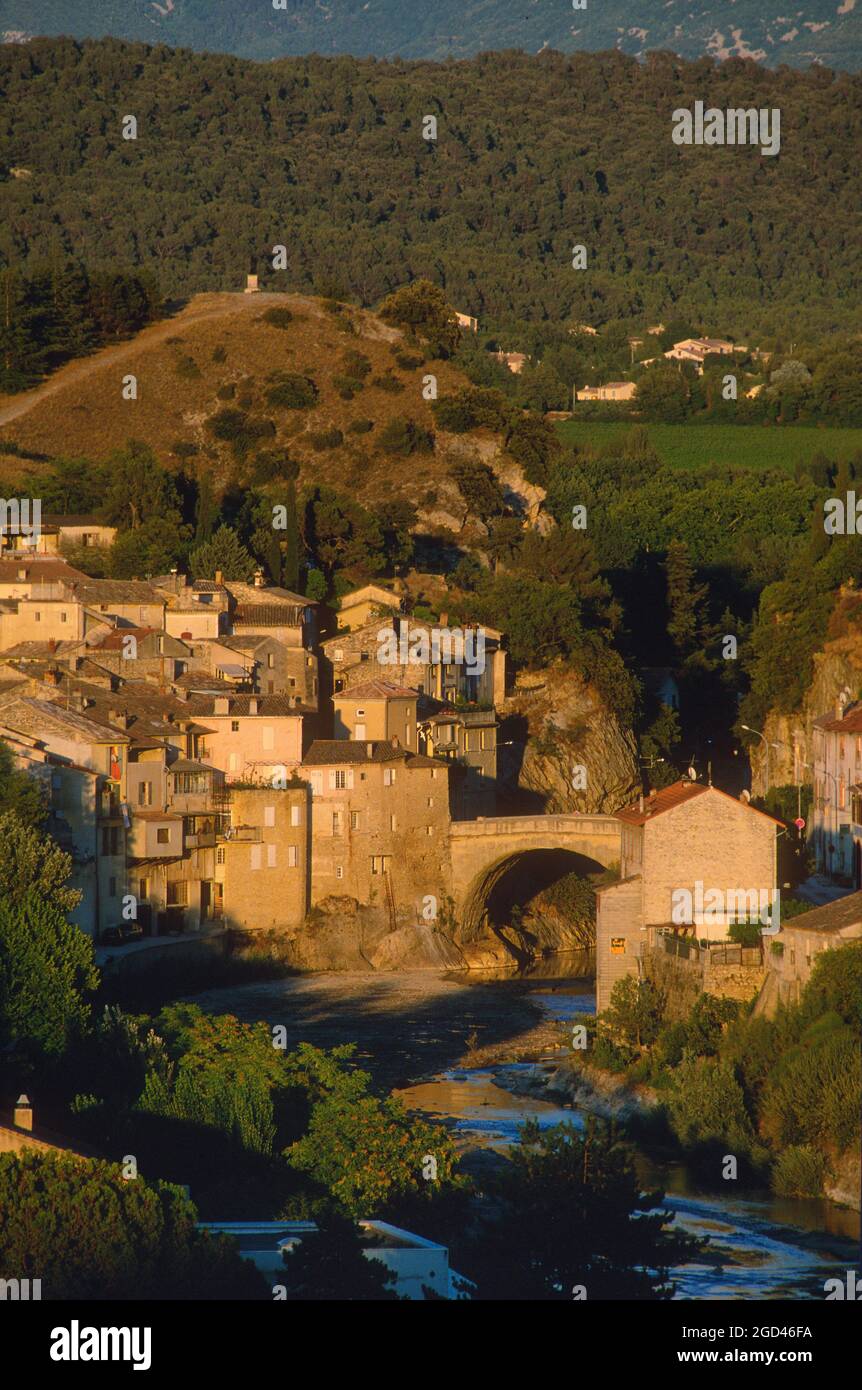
(850, 724)
(665, 800)
(376, 690)
(677, 795)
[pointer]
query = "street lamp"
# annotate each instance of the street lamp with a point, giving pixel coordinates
(757, 732)
(833, 817)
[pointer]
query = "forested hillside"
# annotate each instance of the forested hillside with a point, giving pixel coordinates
(326, 157)
(823, 31)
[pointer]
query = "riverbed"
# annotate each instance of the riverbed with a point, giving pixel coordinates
(411, 1027)
(763, 1247)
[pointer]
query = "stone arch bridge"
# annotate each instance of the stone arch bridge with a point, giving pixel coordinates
(482, 851)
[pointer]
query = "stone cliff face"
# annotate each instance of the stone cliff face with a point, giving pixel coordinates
(837, 671)
(341, 934)
(555, 725)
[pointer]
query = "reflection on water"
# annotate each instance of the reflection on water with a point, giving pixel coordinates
(762, 1247)
(573, 967)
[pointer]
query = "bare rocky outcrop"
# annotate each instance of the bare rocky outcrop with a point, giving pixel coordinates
(341, 934)
(837, 674)
(845, 1177)
(557, 722)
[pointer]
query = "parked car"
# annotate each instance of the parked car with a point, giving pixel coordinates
(121, 935)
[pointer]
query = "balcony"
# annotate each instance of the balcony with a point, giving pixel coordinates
(110, 806)
(201, 839)
(243, 834)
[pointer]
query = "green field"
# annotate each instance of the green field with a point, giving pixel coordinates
(747, 446)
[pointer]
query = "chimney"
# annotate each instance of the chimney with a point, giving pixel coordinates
(219, 577)
(444, 620)
(23, 1115)
(252, 706)
(51, 677)
(395, 741)
(641, 803)
(259, 582)
(118, 717)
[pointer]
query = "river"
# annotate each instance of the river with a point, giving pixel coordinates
(769, 1247)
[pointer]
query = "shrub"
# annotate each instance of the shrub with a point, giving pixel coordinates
(182, 449)
(836, 984)
(409, 364)
(347, 386)
(744, 933)
(472, 408)
(401, 438)
(422, 307)
(270, 464)
(611, 1056)
(360, 426)
(239, 430)
(812, 1095)
(388, 383)
(532, 442)
(355, 364)
(219, 354)
(227, 392)
(278, 317)
(292, 392)
(670, 1045)
(187, 368)
(635, 1011)
(799, 1172)
(325, 439)
(90, 1234)
(705, 1105)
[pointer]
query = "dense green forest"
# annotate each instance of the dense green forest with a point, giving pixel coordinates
(65, 312)
(533, 156)
(819, 31)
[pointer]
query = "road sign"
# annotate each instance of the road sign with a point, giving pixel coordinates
(799, 822)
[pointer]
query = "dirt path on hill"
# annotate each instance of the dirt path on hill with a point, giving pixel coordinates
(204, 306)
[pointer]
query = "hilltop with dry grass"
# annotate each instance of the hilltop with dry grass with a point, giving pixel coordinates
(220, 383)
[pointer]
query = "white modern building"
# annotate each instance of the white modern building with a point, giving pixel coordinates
(416, 1263)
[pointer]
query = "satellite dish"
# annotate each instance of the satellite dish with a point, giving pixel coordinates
(745, 796)
(692, 772)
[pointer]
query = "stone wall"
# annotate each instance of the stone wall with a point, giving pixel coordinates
(619, 936)
(683, 980)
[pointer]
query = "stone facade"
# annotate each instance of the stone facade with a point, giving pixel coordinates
(681, 836)
(264, 861)
(619, 936)
(691, 834)
(380, 826)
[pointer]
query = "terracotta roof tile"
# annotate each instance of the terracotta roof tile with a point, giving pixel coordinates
(665, 800)
(377, 690)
